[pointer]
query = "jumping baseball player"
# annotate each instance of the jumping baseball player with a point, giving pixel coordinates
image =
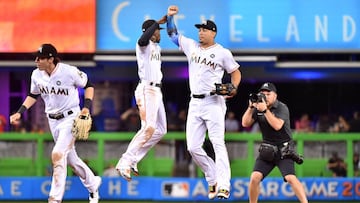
(148, 97)
(57, 84)
(207, 62)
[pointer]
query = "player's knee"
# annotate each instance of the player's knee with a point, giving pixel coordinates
(56, 157)
(219, 146)
(193, 150)
(149, 131)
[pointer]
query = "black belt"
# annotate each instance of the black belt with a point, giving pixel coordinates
(153, 84)
(199, 96)
(59, 116)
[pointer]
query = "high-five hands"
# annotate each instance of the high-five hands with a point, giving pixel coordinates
(172, 10)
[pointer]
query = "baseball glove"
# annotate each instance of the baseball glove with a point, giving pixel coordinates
(81, 127)
(223, 89)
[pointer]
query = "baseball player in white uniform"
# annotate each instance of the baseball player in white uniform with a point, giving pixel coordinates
(207, 62)
(57, 83)
(149, 99)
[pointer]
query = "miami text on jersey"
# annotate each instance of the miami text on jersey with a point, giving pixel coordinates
(204, 61)
(53, 90)
(155, 56)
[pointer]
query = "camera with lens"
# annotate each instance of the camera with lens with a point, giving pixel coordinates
(287, 151)
(255, 98)
(299, 159)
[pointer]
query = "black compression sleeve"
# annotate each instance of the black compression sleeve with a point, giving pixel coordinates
(35, 96)
(87, 103)
(145, 37)
(22, 109)
(88, 84)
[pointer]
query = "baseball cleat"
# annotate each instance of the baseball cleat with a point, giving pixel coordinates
(94, 196)
(223, 194)
(125, 172)
(212, 191)
(134, 170)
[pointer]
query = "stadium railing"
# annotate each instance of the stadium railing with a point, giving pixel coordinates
(35, 164)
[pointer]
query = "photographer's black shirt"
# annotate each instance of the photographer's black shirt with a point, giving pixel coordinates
(269, 134)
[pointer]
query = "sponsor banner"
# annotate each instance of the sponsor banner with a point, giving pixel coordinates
(179, 189)
(68, 24)
(247, 24)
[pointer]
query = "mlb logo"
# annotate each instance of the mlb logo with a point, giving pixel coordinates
(176, 189)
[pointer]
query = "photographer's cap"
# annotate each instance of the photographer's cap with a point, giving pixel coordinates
(46, 50)
(268, 86)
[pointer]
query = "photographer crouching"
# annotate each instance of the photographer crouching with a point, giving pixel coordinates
(277, 148)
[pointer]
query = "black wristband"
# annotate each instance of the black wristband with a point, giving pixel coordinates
(87, 103)
(22, 109)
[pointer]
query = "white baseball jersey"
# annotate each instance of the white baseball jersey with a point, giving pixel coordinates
(206, 66)
(149, 62)
(58, 90)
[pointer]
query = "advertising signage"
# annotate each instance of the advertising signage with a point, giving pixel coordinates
(242, 25)
(175, 189)
(68, 24)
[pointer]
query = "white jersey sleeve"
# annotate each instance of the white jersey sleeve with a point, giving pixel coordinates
(187, 44)
(229, 62)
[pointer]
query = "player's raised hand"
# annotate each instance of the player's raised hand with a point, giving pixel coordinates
(172, 10)
(162, 20)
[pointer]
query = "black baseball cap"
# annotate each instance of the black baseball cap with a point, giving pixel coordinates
(208, 24)
(46, 50)
(149, 23)
(268, 86)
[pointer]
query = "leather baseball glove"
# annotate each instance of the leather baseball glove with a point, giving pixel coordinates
(81, 127)
(224, 89)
